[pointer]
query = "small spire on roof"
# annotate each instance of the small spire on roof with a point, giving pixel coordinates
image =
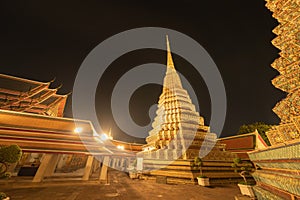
(59, 86)
(110, 134)
(53, 80)
(69, 93)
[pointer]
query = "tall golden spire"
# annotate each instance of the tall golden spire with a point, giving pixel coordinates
(171, 79)
(169, 59)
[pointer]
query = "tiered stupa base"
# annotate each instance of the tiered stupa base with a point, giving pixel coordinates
(216, 165)
(181, 172)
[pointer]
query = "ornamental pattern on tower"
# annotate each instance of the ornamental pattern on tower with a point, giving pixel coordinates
(288, 42)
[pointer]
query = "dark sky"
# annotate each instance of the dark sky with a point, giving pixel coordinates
(45, 39)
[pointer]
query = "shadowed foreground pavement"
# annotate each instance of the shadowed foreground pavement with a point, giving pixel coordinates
(120, 187)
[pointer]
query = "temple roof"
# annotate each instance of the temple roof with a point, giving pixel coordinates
(23, 95)
(47, 134)
(16, 84)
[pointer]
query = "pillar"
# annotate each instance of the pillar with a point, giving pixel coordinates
(113, 162)
(117, 163)
(122, 167)
(88, 168)
(52, 165)
(103, 171)
(39, 176)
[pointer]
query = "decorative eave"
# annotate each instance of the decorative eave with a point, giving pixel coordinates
(38, 98)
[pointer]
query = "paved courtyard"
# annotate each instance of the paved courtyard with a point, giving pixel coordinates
(120, 187)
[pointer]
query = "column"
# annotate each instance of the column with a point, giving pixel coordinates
(103, 171)
(113, 163)
(52, 165)
(39, 176)
(88, 168)
(122, 167)
(117, 163)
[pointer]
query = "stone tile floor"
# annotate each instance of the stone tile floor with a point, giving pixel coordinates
(120, 187)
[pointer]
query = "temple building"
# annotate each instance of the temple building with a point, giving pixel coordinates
(23, 95)
(278, 166)
(31, 116)
(179, 133)
(244, 143)
(28, 96)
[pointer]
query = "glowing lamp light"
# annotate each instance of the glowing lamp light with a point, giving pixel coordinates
(120, 147)
(78, 130)
(103, 137)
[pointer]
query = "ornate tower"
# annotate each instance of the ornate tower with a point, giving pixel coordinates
(178, 129)
(288, 41)
(179, 135)
(278, 177)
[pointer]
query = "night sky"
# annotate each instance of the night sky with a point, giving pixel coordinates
(41, 40)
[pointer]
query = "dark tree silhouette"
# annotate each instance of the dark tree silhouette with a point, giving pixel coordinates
(261, 127)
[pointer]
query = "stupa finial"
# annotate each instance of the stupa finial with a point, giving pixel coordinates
(169, 56)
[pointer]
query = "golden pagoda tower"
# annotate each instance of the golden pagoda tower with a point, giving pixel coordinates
(178, 129)
(179, 133)
(278, 176)
(288, 42)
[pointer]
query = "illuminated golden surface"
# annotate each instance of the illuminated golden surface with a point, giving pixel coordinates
(287, 13)
(178, 129)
